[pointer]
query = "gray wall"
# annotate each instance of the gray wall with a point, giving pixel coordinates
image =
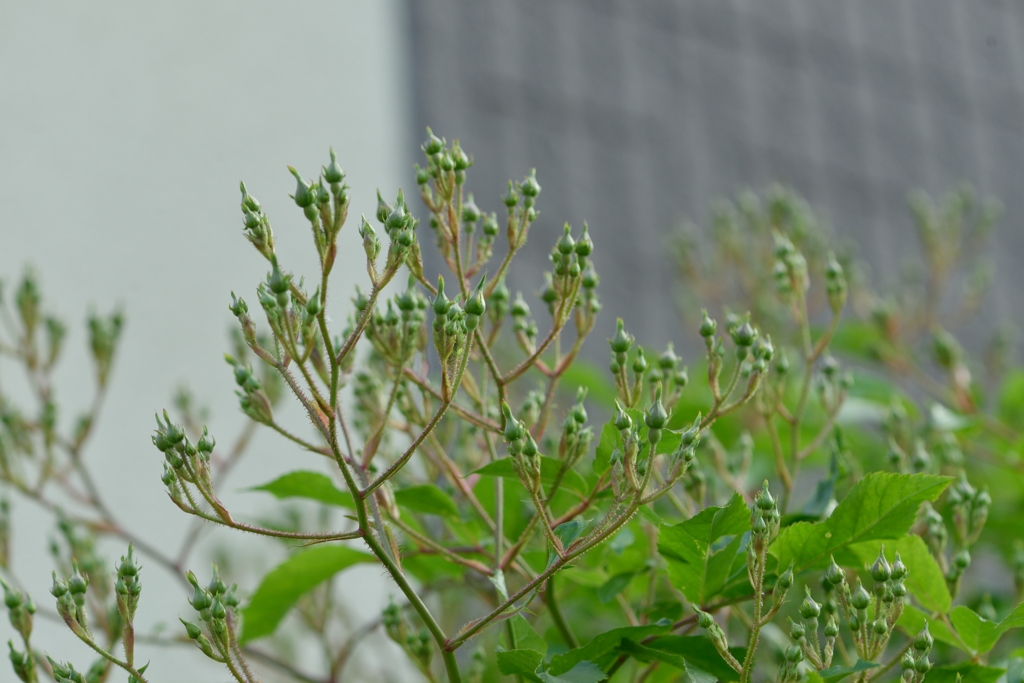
(637, 112)
(124, 130)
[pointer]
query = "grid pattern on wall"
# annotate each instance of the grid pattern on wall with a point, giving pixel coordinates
(639, 112)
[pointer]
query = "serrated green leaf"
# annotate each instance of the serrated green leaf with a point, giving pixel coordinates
(427, 499)
(604, 644)
(968, 673)
(610, 439)
(613, 586)
(310, 485)
(980, 634)
(699, 652)
(693, 567)
(549, 470)
(526, 636)
(925, 580)
(838, 673)
(882, 505)
(645, 654)
(523, 662)
(584, 672)
(282, 587)
(568, 532)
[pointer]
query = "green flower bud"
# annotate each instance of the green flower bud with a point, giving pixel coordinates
(640, 363)
(422, 175)
(433, 144)
(585, 246)
(622, 341)
(490, 225)
(785, 579)
(744, 335)
(831, 628)
(796, 630)
(880, 570)
(922, 665)
(191, 629)
(59, 588)
(303, 195)
(656, 415)
(520, 309)
(704, 620)
(622, 421)
(530, 447)
(860, 598)
(333, 173)
(834, 574)
(794, 654)
(476, 304)
(907, 662)
(217, 609)
(530, 187)
(441, 302)
(590, 278)
(396, 219)
(470, 211)
(854, 623)
(764, 500)
(708, 326)
(510, 198)
(809, 609)
(962, 559)
(668, 360)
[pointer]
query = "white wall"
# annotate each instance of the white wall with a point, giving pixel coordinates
(124, 130)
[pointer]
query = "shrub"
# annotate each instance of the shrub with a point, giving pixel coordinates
(522, 539)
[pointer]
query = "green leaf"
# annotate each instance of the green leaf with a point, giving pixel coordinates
(693, 567)
(306, 484)
(604, 643)
(968, 673)
(925, 580)
(286, 583)
(699, 652)
(428, 499)
(523, 662)
(882, 505)
(549, 469)
(584, 672)
(980, 634)
(1011, 398)
(526, 636)
(838, 673)
(568, 532)
(613, 586)
(647, 655)
(611, 438)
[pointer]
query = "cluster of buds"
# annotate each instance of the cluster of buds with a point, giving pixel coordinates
(256, 224)
(754, 353)
(417, 645)
(324, 203)
(252, 399)
(20, 609)
(915, 663)
(970, 510)
(185, 462)
(969, 517)
(621, 342)
(215, 604)
(397, 334)
(128, 587)
(67, 673)
(790, 268)
(104, 332)
(452, 326)
(717, 636)
(835, 284)
(764, 527)
(870, 627)
(400, 226)
(576, 438)
(589, 305)
(70, 595)
(523, 449)
(561, 289)
(832, 385)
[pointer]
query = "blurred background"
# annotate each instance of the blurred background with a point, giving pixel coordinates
(125, 128)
